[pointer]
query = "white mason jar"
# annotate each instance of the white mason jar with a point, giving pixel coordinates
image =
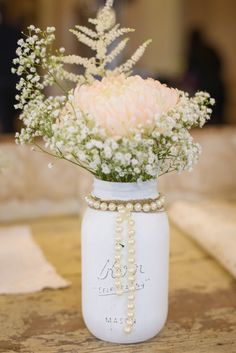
(104, 312)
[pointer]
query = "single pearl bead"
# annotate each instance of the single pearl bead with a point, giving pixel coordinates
(119, 219)
(117, 265)
(96, 205)
(131, 251)
(131, 241)
(112, 207)
(118, 247)
(146, 207)
(130, 314)
(131, 278)
(131, 222)
(131, 297)
(121, 208)
(153, 206)
(132, 289)
(131, 270)
(130, 322)
(162, 199)
(131, 260)
(103, 206)
(129, 207)
(119, 292)
(131, 232)
(138, 207)
(119, 229)
(131, 306)
(128, 216)
(128, 329)
(117, 282)
(158, 203)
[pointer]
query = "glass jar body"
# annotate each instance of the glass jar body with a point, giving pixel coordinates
(104, 312)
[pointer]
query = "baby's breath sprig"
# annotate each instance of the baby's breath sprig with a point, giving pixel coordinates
(38, 67)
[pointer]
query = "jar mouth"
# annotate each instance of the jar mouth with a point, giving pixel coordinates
(125, 191)
(114, 183)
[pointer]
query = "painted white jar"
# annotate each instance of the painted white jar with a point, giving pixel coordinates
(104, 312)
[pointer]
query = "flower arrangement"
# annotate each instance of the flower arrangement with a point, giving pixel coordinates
(119, 127)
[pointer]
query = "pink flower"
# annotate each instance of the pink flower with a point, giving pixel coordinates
(121, 105)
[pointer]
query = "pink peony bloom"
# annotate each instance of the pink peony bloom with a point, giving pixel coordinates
(120, 104)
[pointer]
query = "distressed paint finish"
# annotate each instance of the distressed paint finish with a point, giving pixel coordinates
(202, 315)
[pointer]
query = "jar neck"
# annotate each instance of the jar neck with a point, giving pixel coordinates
(106, 190)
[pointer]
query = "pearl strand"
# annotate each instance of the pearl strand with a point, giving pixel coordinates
(131, 274)
(147, 206)
(124, 214)
(118, 251)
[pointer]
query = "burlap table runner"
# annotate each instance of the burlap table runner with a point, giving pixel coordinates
(23, 267)
(212, 224)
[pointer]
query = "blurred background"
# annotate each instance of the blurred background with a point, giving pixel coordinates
(193, 48)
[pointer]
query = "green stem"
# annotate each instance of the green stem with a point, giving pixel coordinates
(41, 149)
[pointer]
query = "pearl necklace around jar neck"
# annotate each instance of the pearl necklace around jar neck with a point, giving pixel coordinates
(125, 210)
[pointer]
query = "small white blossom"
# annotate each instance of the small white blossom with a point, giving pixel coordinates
(51, 30)
(105, 169)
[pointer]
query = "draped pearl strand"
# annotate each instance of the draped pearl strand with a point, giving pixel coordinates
(125, 210)
(124, 214)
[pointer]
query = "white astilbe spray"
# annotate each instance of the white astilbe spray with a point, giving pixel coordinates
(116, 32)
(87, 31)
(109, 4)
(128, 66)
(99, 40)
(121, 46)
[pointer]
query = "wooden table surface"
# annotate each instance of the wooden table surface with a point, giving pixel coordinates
(202, 314)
